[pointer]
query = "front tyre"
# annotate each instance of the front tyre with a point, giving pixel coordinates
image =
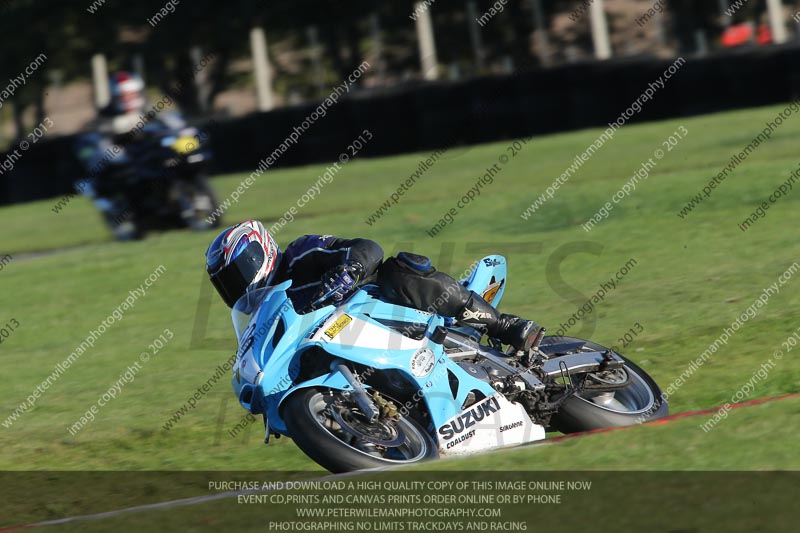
(633, 397)
(198, 204)
(329, 427)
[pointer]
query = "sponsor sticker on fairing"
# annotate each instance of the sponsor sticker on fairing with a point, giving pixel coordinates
(422, 362)
(338, 326)
(494, 422)
(492, 290)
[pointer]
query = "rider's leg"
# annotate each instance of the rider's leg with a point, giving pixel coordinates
(410, 280)
(508, 329)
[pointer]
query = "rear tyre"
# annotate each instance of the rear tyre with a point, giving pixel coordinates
(638, 401)
(328, 426)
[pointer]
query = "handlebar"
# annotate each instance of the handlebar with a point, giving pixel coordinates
(316, 304)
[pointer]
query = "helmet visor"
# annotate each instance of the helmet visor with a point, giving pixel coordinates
(233, 279)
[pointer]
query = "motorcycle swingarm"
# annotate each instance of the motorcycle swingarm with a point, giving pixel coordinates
(575, 363)
(560, 348)
(582, 362)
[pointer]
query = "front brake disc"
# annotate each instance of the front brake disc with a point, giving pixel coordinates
(379, 433)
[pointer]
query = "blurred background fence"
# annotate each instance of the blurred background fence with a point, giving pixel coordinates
(439, 72)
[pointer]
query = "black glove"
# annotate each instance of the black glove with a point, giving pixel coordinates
(341, 280)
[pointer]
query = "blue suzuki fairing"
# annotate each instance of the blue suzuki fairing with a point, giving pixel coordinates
(364, 330)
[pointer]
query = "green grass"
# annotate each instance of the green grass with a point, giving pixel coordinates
(693, 278)
(726, 499)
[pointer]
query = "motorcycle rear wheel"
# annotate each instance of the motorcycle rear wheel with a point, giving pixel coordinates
(328, 427)
(639, 401)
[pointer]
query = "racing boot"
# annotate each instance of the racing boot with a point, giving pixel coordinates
(508, 329)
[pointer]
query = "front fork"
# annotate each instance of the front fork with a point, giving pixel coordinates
(370, 410)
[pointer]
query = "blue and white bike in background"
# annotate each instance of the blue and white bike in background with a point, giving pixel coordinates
(368, 384)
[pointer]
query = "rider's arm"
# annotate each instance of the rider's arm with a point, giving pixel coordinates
(310, 256)
(315, 262)
(364, 251)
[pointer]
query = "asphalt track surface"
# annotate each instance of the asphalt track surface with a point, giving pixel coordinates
(232, 494)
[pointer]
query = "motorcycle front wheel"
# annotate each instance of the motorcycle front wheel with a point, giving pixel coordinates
(198, 204)
(328, 426)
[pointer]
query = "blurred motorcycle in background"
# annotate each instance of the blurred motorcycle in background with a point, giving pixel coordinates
(156, 181)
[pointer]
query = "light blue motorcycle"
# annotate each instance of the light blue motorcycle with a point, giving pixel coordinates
(368, 384)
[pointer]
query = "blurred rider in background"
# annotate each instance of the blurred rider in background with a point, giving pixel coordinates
(105, 151)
